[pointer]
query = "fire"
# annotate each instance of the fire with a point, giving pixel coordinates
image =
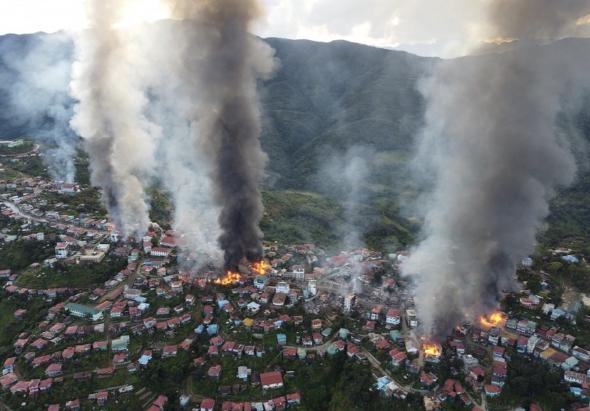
(228, 279)
(492, 320)
(431, 349)
(260, 267)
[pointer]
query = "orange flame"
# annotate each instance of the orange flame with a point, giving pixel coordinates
(260, 267)
(492, 320)
(228, 279)
(431, 349)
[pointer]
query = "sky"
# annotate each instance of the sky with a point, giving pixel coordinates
(426, 27)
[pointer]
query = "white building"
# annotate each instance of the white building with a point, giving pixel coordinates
(393, 317)
(312, 287)
(61, 250)
(299, 272)
(83, 311)
(411, 318)
(282, 287)
(260, 281)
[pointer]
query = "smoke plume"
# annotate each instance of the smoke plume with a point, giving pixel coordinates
(109, 117)
(497, 158)
(346, 177)
(34, 85)
(222, 63)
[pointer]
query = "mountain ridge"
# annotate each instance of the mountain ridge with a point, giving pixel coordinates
(325, 103)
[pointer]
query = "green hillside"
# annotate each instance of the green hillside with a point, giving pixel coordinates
(325, 101)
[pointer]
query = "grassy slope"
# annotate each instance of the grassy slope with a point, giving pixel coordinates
(297, 216)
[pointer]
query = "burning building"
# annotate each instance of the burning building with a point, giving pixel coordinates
(493, 320)
(431, 351)
(494, 154)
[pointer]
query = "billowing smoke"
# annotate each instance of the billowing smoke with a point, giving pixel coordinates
(109, 116)
(34, 83)
(497, 158)
(222, 63)
(181, 164)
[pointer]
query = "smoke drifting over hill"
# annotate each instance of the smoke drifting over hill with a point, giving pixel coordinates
(37, 100)
(497, 160)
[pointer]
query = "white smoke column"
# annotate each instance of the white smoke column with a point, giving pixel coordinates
(349, 175)
(109, 116)
(180, 164)
(491, 139)
(37, 98)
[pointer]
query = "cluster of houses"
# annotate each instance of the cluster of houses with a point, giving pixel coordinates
(74, 329)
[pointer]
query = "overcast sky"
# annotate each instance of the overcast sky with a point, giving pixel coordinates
(426, 27)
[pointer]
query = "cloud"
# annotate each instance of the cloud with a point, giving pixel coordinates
(426, 27)
(440, 27)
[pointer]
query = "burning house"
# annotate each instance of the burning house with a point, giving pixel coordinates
(431, 351)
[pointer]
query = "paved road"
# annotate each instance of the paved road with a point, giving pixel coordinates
(15, 209)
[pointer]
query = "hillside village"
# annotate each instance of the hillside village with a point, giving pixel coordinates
(99, 322)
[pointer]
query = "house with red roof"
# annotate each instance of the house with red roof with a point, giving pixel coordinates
(119, 358)
(6, 381)
(398, 357)
(68, 353)
(9, 364)
(161, 401)
(39, 343)
(105, 371)
(34, 387)
(45, 385)
(53, 370)
(492, 390)
(294, 398)
(169, 351)
(102, 397)
(316, 324)
(207, 404)
(214, 371)
(393, 317)
(271, 380)
(73, 405)
(21, 387)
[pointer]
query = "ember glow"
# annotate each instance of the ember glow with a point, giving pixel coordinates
(228, 279)
(260, 267)
(492, 320)
(431, 349)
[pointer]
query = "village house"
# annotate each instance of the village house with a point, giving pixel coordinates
(214, 372)
(160, 252)
(9, 364)
(271, 380)
(169, 351)
(53, 370)
(393, 317)
(62, 250)
(83, 311)
(208, 404)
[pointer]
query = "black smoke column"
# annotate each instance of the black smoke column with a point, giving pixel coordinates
(223, 64)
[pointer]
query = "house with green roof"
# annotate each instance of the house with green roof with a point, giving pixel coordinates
(84, 311)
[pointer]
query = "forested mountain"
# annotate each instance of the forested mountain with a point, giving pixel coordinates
(339, 126)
